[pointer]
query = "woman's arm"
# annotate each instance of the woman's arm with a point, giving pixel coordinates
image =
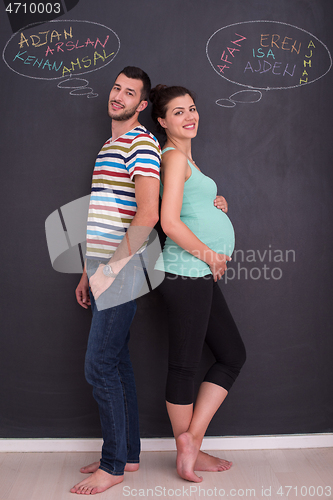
(175, 172)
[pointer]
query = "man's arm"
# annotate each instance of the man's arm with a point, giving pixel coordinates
(147, 200)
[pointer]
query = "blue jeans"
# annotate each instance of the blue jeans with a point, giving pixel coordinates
(109, 370)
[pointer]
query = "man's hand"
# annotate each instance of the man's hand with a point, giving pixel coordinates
(221, 203)
(99, 282)
(82, 291)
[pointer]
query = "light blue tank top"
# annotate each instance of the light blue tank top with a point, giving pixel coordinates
(212, 226)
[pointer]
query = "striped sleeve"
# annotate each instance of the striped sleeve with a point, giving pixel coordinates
(144, 157)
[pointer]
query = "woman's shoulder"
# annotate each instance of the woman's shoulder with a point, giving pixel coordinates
(166, 149)
(174, 165)
(172, 155)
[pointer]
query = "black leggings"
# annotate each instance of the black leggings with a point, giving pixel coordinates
(198, 313)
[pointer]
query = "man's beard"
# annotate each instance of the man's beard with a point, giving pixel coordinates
(125, 115)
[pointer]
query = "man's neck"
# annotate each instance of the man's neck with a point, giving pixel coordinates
(119, 128)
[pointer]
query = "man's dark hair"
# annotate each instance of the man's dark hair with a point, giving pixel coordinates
(138, 74)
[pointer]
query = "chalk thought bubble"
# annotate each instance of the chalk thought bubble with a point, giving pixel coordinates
(59, 49)
(267, 55)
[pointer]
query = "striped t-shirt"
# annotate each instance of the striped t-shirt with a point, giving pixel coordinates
(112, 201)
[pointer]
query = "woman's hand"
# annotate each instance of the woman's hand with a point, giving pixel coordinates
(221, 203)
(218, 264)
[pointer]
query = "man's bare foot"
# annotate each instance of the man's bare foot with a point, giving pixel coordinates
(209, 463)
(89, 469)
(99, 481)
(187, 452)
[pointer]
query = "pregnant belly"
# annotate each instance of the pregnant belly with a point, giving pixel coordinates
(215, 230)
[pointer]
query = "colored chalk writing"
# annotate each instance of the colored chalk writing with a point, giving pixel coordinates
(230, 52)
(307, 63)
(267, 55)
(60, 49)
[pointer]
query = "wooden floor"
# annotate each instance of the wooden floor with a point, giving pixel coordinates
(275, 474)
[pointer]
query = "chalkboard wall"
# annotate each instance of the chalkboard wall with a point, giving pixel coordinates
(262, 74)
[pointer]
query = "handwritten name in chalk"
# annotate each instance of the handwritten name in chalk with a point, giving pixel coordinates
(266, 66)
(307, 63)
(86, 62)
(39, 41)
(61, 46)
(260, 53)
(36, 62)
(230, 52)
(274, 41)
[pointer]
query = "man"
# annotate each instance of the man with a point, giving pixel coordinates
(123, 209)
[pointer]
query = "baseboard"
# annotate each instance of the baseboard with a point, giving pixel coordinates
(289, 441)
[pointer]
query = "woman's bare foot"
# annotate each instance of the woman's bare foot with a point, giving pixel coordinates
(99, 481)
(89, 469)
(209, 463)
(187, 452)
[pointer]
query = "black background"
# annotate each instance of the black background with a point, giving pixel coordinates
(272, 160)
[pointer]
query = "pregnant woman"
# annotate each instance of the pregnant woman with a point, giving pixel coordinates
(199, 243)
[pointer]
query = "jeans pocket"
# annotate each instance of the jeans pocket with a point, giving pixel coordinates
(138, 280)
